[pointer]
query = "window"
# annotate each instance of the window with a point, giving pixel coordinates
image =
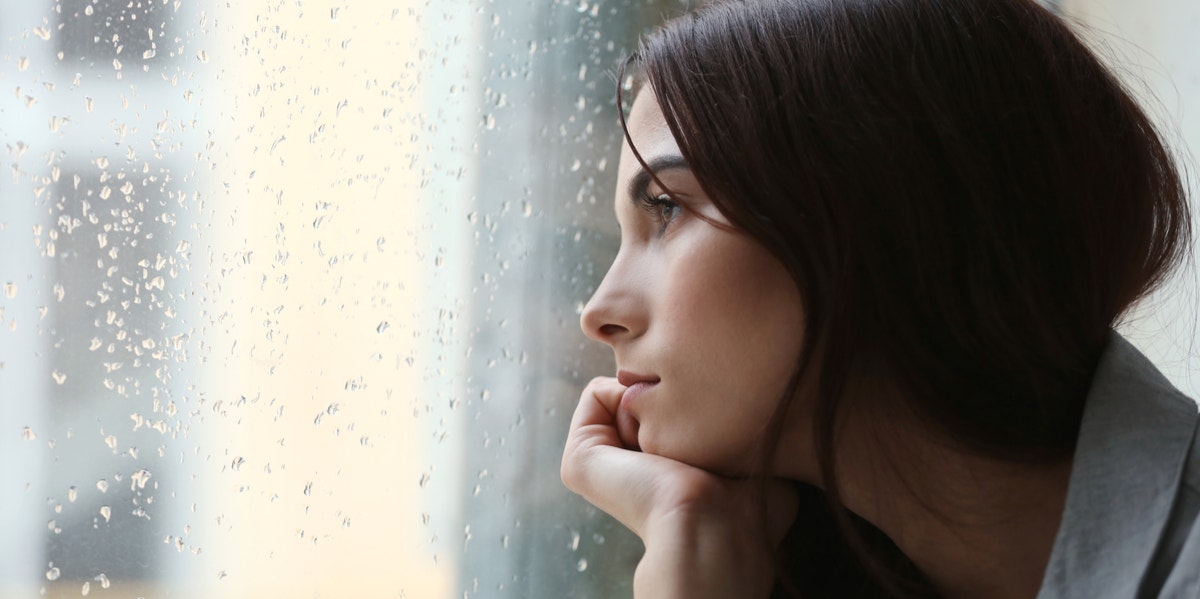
(289, 294)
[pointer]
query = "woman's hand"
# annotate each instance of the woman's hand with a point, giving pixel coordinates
(705, 535)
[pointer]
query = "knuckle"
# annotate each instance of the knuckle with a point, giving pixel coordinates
(573, 469)
(595, 383)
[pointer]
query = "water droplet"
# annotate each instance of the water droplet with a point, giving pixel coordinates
(104, 583)
(102, 485)
(88, 10)
(87, 588)
(27, 434)
(139, 479)
(202, 56)
(308, 489)
(333, 13)
(43, 32)
(53, 573)
(22, 63)
(111, 442)
(10, 289)
(148, 54)
(574, 540)
(237, 463)
(582, 6)
(59, 377)
(88, 103)
(117, 65)
(72, 494)
(383, 326)
(582, 565)
(106, 512)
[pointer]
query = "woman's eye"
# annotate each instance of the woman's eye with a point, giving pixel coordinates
(663, 209)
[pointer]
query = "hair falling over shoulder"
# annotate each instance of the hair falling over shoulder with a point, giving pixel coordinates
(966, 198)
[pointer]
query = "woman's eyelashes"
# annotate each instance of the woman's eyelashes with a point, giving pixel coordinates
(662, 209)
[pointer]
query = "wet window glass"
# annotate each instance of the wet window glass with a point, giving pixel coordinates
(289, 293)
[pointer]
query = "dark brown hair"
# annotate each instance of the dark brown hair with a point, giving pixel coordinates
(966, 198)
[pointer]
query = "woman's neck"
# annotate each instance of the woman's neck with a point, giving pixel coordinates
(975, 527)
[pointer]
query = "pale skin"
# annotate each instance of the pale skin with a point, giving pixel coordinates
(709, 325)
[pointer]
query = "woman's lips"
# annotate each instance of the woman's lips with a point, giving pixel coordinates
(627, 424)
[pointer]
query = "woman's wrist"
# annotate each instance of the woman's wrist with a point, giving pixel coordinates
(694, 557)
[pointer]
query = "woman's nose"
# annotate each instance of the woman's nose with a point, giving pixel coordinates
(613, 313)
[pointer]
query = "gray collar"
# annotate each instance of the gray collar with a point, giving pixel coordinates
(1133, 442)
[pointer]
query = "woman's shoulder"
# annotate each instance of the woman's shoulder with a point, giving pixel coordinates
(1129, 528)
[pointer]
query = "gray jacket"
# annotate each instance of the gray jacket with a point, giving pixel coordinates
(1130, 527)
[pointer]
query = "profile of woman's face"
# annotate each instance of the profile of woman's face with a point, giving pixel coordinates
(704, 318)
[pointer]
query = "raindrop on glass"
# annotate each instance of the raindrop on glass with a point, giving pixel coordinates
(139, 479)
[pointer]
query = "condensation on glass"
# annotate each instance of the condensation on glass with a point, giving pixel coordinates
(290, 295)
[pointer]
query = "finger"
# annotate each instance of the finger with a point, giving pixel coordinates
(596, 464)
(598, 403)
(620, 482)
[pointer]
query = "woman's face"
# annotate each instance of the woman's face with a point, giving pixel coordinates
(705, 319)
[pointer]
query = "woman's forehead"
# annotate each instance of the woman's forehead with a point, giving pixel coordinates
(649, 132)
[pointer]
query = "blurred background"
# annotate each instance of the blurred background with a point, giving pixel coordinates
(289, 290)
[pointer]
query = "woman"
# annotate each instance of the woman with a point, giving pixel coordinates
(871, 255)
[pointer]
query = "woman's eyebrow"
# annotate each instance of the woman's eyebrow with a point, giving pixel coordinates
(641, 181)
